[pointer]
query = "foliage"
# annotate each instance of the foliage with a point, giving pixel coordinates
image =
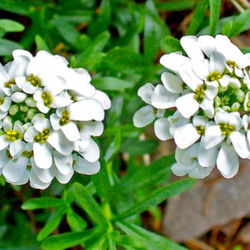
(119, 42)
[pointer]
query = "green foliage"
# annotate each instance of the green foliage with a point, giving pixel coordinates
(119, 42)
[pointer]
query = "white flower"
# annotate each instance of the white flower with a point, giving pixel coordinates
(205, 101)
(48, 116)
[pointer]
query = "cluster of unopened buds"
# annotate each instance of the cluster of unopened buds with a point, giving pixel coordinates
(203, 103)
(49, 113)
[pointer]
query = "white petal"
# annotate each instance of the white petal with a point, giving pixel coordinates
(240, 144)
(60, 143)
(213, 137)
(191, 47)
(84, 167)
(18, 97)
(86, 110)
(60, 101)
(145, 92)
(71, 131)
(35, 182)
(217, 62)
(200, 172)
(143, 116)
(94, 128)
(3, 142)
(227, 161)
(17, 147)
(161, 128)
(162, 98)
(102, 98)
(185, 136)
(207, 157)
(187, 105)
(42, 155)
(207, 44)
(54, 121)
(173, 61)
(187, 156)
(44, 175)
(92, 153)
(189, 77)
(53, 84)
(15, 169)
(180, 169)
(172, 83)
(63, 163)
(41, 124)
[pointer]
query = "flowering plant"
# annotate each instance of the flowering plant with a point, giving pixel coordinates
(49, 113)
(203, 103)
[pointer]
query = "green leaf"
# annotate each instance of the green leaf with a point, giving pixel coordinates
(101, 181)
(126, 240)
(198, 16)
(171, 44)
(43, 202)
(41, 44)
(89, 204)
(103, 19)
(76, 222)
(124, 60)
(7, 46)
(135, 147)
(151, 240)
(18, 7)
(157, 197)
(237, 25)
(175, 5)
(214, 16)
(110, 83)
(147, 176)
(11, 26)
(52, 223)
(113, 147)
(66, 240)
(154, 30)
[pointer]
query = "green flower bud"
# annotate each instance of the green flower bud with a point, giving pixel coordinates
(236, 106)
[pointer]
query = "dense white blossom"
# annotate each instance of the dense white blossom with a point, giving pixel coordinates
(205, 101)
(49, 113)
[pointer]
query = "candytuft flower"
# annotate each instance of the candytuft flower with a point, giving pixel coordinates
(49, 113)
(206, 94)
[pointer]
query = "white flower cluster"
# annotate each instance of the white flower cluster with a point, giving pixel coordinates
(48, 115)
(203, 103)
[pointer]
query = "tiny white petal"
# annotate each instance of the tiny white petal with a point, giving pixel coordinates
(172, 83)
(71, 131)
(240, 144)
(181, 169)
(185, 136)
(144, 116)
(18, 97)
(92, 153)
(227, 161)
(42, 155)
(187, 105)
(161, 128)
(213, 137)
(84, 167)
(145, 92)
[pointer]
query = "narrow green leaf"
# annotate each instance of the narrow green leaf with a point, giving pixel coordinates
(11, 26)
(89, 204)
(103, 19)
(101, 181)
(151, 240)
(41, 44)
(136, 147)
(198, 16)
(175, 5)
(147, 176)
(157, 197)
(110, 83)
(214, 16)
(171, 44)
(76, 222)
(7, 46)
(43, 202)
(52, 223)
(66, 240)
(154, 30)
(237, 25)
(18, 7)
(113, 147)
(124, 60)
(126, 240)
